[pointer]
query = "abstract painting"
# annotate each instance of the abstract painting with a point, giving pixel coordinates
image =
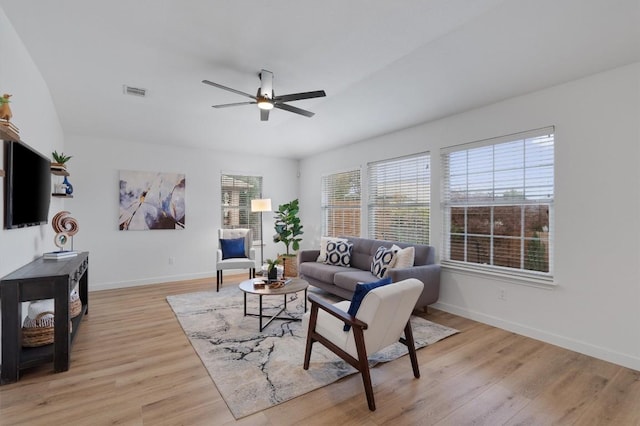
(151, 200)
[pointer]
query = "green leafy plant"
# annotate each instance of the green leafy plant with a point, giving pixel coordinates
(61, 158)
(272, 263)
(287, 226)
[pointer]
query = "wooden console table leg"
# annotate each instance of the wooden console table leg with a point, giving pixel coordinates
(62, 333)
(11, 333)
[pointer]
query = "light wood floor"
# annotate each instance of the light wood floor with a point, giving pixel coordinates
(132, 365)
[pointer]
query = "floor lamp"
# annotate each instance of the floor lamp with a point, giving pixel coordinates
(261, 205)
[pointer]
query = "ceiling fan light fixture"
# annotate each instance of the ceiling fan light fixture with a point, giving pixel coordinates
(265, 103)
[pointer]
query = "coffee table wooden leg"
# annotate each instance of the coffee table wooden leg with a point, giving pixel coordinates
(245, 304)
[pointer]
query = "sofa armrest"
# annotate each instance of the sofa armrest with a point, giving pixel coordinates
(219, 255)
(308, 256)
(430, 277)
(425, 273)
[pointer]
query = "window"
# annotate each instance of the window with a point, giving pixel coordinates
(341, 204)
(399, 197)
(498, 203)
(237, 193)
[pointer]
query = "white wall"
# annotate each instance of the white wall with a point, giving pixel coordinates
(594, 307)
(35, 115)
(125, 258)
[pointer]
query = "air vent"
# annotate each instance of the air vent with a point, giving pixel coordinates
(134, 91)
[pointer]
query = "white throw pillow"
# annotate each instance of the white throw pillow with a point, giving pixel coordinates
(323, 247)
(404, 257)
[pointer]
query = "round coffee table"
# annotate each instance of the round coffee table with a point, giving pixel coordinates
(292, 285)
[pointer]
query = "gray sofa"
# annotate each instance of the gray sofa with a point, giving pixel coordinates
(341, 281)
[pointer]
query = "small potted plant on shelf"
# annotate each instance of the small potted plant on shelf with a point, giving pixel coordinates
(60, 160)
(272, 269)
(288, 229)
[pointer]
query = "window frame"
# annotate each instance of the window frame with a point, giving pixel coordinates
(493, 202)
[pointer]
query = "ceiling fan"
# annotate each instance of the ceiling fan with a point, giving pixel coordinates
(266, 99)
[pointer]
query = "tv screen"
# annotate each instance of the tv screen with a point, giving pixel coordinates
(27, 190)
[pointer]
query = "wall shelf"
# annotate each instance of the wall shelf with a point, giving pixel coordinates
(62, 195)
(8, 135)
(59, 172)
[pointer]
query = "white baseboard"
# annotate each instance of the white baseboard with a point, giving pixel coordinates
(599, 352)
(154, 280)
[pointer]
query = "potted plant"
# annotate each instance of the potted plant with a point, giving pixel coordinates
(288, 229)
(272, 269)
(60, 159)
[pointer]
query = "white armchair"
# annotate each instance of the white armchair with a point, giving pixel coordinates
(248, 259)
(379, 322)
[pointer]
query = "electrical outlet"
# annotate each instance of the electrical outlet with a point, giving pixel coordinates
(502, 294)
(172, 260)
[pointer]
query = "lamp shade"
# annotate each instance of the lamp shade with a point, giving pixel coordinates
(261, 205)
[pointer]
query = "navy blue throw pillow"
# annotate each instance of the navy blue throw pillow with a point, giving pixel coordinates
(360, 293)
(232, 247)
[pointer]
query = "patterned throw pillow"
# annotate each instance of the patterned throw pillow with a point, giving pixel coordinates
(323, 247)
(382, 261)
(339, 253)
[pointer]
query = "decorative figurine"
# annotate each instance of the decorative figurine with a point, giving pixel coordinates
(5, 109)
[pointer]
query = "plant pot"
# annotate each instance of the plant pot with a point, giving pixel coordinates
(290, 263)
(272, 274)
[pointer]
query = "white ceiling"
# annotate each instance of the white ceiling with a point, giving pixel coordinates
(385, 65)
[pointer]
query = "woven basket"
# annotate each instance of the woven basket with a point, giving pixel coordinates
(38, 331)
(75, 304)
(290, 264)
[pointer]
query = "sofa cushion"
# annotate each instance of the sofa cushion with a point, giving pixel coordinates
(359, 294)
(320, 271)
(348, 279)
(339, 253)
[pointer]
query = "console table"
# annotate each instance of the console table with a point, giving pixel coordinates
(41, 279)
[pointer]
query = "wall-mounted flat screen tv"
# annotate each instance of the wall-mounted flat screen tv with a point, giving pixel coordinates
(27, 190)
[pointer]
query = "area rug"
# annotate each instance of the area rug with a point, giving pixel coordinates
(256, 370)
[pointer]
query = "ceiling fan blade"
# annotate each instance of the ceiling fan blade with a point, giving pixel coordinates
(264, 115)
(299, 96)
(294, 109)
(233, 104)
(220, 86)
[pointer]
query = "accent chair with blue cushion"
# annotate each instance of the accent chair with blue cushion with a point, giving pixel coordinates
(235, 251)
(380, 321)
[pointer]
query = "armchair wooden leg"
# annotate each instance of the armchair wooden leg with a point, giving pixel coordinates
(363, 366)
(310, 332)
(408, 334)
(218, 280)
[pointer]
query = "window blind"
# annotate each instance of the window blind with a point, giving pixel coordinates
(399, 199)
(341, 204)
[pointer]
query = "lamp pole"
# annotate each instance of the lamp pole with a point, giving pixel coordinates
(261, 205)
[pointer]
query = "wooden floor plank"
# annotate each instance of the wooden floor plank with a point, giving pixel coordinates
(131, 364)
